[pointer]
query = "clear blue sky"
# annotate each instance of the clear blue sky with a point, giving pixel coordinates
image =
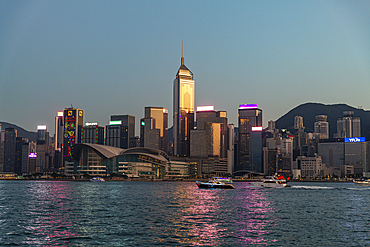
(116, 57)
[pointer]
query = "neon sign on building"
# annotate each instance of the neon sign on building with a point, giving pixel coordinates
(354, 139)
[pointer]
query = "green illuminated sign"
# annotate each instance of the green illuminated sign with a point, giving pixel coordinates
(119, 122)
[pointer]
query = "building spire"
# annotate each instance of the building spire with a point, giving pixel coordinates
(182, 53)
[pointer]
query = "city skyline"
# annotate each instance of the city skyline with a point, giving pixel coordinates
(124, 57)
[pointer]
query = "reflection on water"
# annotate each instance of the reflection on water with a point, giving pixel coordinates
(256, 216)
(48, 213)
(209, 217)
(179, 214)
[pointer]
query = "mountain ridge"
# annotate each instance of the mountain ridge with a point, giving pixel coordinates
(30, 135)
(309, 111)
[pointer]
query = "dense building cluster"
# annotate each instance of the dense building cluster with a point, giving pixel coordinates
(201, 143)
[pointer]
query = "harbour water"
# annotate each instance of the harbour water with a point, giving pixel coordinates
(64, 213)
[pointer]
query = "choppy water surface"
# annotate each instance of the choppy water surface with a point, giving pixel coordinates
(43, 213)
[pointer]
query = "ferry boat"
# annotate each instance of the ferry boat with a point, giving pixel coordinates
(97, 179)
(216, 183)
(272, 182)
(362, 182)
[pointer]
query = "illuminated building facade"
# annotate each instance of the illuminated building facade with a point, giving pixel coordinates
(183, 110)
(73, 120)
(154, 128)
(93, 133)
(250, 121)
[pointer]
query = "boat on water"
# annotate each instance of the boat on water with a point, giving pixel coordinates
(216, 183)
(362, 182)
(272, 182)
(97, 179)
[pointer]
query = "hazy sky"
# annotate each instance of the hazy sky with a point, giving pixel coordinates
(116, 57)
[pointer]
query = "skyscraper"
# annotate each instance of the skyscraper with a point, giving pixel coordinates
(250, 139)
(348, 125)
(183, 110)
(73, 121)
(127, 123)
(321, 127)
(93, 133)
(154, 128)
(9, 149)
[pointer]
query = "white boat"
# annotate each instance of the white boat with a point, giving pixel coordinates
(97, 179)
(272, 182)
(362, 182)
(216, 183)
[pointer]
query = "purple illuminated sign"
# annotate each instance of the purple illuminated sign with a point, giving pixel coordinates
(32, 155)
(248, 106)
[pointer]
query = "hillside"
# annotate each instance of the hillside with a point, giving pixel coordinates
(310, 110)
(20, 131)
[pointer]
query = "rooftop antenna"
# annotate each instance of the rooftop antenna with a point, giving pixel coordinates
(182, 53)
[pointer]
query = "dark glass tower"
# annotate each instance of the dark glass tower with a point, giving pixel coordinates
(250, 143)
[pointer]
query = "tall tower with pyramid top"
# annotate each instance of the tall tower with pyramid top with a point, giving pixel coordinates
(183, 109)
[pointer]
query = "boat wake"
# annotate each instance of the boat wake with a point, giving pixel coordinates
(312, 187)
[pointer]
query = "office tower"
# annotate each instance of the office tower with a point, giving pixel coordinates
(73, 122)
(348, 125)
(59, 131)
(9, 149)
(298, 122)
(58, 140)
(93, 133)
(149, 135)
(2, 144)
(250, 124)
(154, 128)
(21, 156)
(127, 122)
(213, 138)
(230, 150)
(321, 127)
(116, 134)
(271, 126)
(25, 156)
(206, 114)
(42, 149)
(183, 110)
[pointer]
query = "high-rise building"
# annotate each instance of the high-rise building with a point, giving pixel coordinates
(321, 127)
(73, 122)
(93, 133)
(207, 114)
(127, 123)
(59, 131)
(154, 128)
(250, 140)
(348, 125)
(183, 110)
(9, 149)
(116, 134)
(42, 149)
(298, 122)
(2, 144)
